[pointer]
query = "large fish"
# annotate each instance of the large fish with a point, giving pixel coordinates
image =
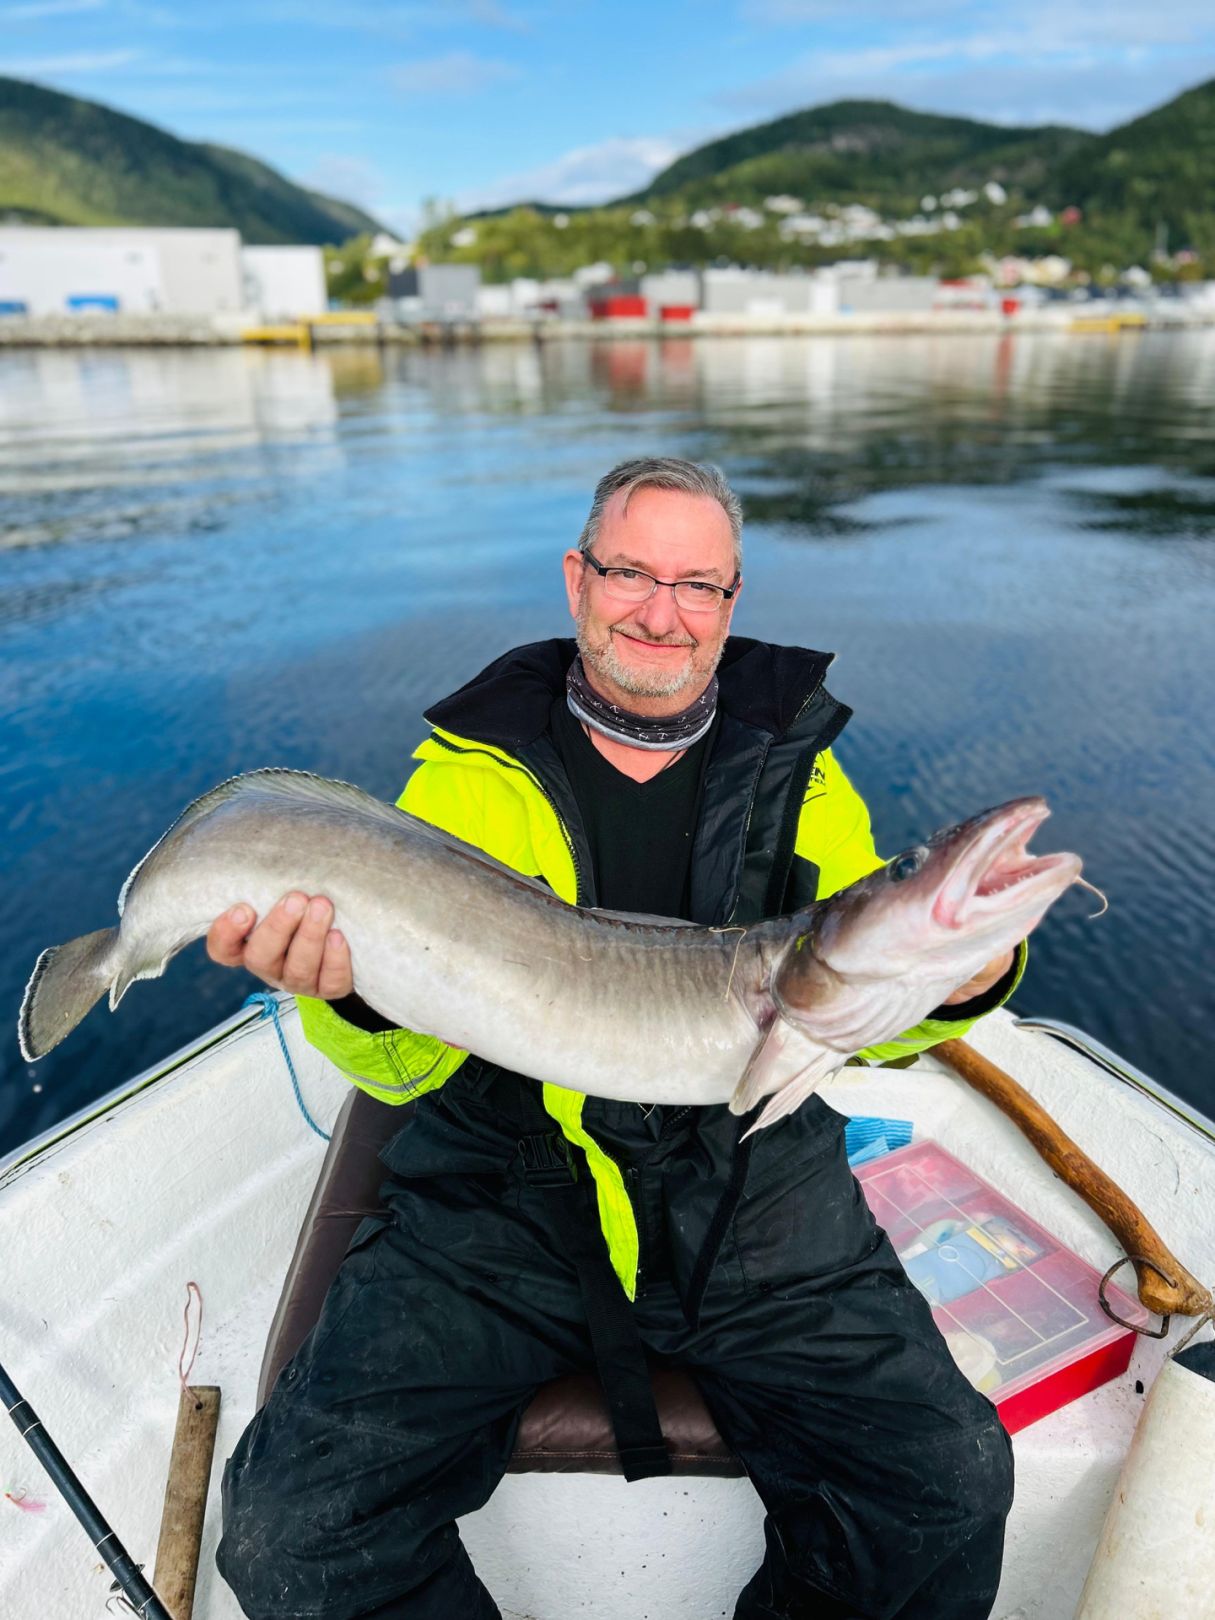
(447, 942)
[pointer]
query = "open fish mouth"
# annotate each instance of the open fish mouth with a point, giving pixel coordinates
(997, 872)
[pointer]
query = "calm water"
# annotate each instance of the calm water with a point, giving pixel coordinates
(215, 561)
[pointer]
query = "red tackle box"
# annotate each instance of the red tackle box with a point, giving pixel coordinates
(1019, 1311)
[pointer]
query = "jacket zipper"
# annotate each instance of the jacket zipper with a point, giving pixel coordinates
(674, 1119)
(632, 1184)
(747, 828)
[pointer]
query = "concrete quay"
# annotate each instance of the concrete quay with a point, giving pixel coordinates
(203, 331)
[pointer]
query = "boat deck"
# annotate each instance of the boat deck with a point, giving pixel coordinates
(201, 1171)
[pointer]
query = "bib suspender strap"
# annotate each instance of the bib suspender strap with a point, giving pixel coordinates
(549, 1161)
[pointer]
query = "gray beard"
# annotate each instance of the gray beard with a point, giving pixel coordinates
(607, 663)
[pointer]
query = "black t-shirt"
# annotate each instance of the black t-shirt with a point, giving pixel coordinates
(639, 833)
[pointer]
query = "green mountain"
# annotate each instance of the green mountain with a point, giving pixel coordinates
(64, 161)
(1102, 202)
(1158, 170)
(862, 151)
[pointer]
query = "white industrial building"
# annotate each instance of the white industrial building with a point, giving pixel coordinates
(527, 298)
(764, 293)
(888, 295)
(851, 287)
(433, 292)
(671, 289)
(61, 270)
(284, 283)
(137, 270)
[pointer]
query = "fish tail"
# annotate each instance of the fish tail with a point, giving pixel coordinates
(67, 980)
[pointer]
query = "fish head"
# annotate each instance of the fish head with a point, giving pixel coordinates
(938, 911)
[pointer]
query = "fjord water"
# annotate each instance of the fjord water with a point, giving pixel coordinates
(213, 561)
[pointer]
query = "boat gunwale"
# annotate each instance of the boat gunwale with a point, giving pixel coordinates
(24, 1157)
(1103, 1057)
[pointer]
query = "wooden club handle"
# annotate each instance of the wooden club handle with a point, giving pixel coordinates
(181, 1524)
(1184, 1295)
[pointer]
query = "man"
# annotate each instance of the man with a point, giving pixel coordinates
(662, 769)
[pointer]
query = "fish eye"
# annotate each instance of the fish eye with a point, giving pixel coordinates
(907, 864)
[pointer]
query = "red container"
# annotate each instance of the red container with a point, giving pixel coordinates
(677, 312)
(1010, 306)
(618, 307)
(1018, 1310)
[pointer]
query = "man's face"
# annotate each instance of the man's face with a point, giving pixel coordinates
(651, 656)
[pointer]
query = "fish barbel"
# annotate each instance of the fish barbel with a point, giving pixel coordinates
(446, 941)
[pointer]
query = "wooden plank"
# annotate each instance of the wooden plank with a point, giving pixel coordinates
(181, 1523)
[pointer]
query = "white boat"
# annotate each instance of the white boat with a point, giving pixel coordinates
(201, 1170)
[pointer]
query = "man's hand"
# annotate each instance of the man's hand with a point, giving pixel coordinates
(983, 980)
(293, 948)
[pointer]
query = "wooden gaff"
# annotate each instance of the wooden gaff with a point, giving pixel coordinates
(1182, 1294)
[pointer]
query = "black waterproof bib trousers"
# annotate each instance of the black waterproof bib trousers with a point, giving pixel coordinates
(885, 1476)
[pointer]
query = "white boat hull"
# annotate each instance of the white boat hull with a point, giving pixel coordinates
(204, 1176)
(1156, 1555)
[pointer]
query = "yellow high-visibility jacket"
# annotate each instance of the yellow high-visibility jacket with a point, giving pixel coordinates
(780, 825)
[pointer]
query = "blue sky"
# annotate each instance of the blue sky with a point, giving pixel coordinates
(488, 101)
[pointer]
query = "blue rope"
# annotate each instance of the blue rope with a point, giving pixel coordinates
(269, 1007)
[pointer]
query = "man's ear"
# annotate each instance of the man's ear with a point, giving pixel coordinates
(575, 578)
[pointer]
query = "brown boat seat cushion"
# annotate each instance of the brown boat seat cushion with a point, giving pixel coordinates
(566, 1429)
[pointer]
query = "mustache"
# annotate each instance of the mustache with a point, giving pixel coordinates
(670, 640)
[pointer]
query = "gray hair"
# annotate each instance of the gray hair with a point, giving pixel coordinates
(665, 472)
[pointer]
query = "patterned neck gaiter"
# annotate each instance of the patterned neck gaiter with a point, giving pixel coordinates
(660, 732)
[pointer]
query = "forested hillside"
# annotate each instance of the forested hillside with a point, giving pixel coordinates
(64, 161)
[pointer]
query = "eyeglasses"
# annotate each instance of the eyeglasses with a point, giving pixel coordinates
(691, 595)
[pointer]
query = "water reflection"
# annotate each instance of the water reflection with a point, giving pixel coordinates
(97, 445)
(1161, 513)
(217, 560)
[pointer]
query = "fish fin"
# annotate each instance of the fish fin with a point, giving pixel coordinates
(782, 1055)
(66, 982)
(276, 781)
(304, 788)
(131, 972)
(794, 1092)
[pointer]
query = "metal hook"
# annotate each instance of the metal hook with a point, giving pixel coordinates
(1138, 1259)
(1203, 1321)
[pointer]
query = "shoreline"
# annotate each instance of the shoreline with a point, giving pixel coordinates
(163, 331)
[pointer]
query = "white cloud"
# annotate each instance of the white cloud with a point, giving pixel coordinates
(793, 12)
(398, 20)
(458, 73)
(1088, 97)
(36, 10)
(492, 14)
(1038, 25)
(1055, 65)
(585, 175)
(46, 67)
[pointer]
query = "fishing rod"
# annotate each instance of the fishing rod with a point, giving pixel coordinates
(126, 1572)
